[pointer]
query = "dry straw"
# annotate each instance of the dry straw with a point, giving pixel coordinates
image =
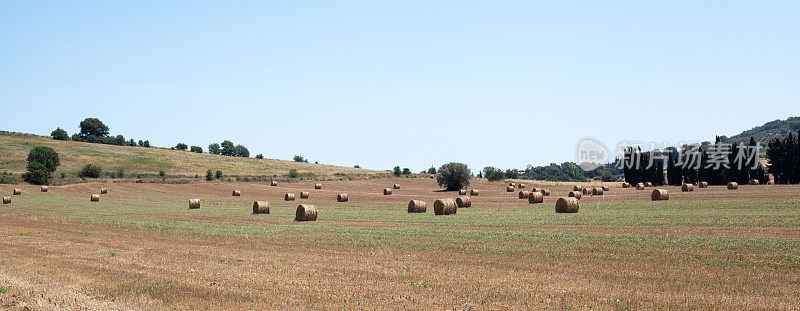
(273, 183)
(521, 185)
(445, 206)
(139, 181)
(510, 189)
(387, 191)
(396, 186)
(575, 194)
(305, 212)
(194, 203)
(577, 188)
(94, 198)
(567, 205)
(17, 191)
(288, 197)
(659, 195)
(474, 192)
(753, 182)
(536, 189)
(304, 194)
(640, 186)
(44, 188)
(462, 192)
(587, 191)
(597, 191)
(686, 187)
(626, 185)
(648, 184)
(605, 188)
(545, 192)
(511, 184)
(535, 197)
(6, 200)
(260, 207)
(103, 190)
(733, 185)
(703, 184)
(417, 206)
(524, 194)
(236, 193)
(342, 197)
(317, 186)
(463, 202)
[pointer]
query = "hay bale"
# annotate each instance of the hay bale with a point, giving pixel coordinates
(17, 191)
(288, 197)
(342, 197)
(387, 191)
(510, 189)
(640, 186)
(577, 188)
(753, 182)
(605, 188)
(318, 186)
(626, 185)
(545, 192)
(524, 194)
(396, 186)
(587, 191)
(597, 191)
(575, 194)
(474, 192)
(686, 187)
(567, 205)
(236, 193)
(511, 184)
(703, 184)
(44, 188)
(417, 206)
(103, 190)
(462, 192)
(260, 207)
(94, 198)
(733, 185)
(306, 212)
(521, 185)
(445, 206)
(463, 202)
(536, 189)
(194, 203)
(535, 197)
(659, 195)
(648, 184)
(273, 183)
(139, 180)
(6, 200)
(304, 194)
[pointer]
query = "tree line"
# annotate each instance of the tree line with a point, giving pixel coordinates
(784, 158)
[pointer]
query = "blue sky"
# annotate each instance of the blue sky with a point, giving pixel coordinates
(411, 83)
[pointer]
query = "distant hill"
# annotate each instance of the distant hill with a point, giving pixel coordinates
(14, 148)
(766, 132)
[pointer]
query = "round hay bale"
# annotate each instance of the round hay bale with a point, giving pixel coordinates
(445, 206)
(317, 186)
(103, 190)
(605, 188)
(94, 198)
(521, 185)
(577, 188)
(524, 194)
(44, 188)
(6, 200)
(474, 192)
(535, 197)
(306, 212)
(396, 186)
(260, 207)
(510, 189)
(236, 193)
(304, 194)
(587, 191)
(511, 184)
(687, 187)
(640, 186)
(463, 202)
(17, 191)
(462, 192)
(703, 184)
(417, 206)
(273, 183)
(288, 197)
(194, 203)
(342, 197)
(567, 205)
(575, 194)
(536, 189)
(545, 192)
(733, 185)
(753, 182)
(387, 191)
(597, 191)
(659, 195)
(626, 185)
(648, 184)
(139, 180)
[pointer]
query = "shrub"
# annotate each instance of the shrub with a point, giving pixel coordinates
(90, 171)
(59, 134)
(293, 173)
(7, 178)
(120, 172)
(259, 156)
(454, 176)
(162, 174)
(196, 149)
(397, 171)
(209, 175)
(131, 143)
(146, 144)
(45, 156)
(432, 170)
(299, 158)
(218, 174)
(356, 166)
(37, 173)
(181, 146)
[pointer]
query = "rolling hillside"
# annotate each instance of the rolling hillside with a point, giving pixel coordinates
(766, 132)
(14, 149)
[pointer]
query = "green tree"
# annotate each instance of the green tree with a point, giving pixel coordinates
(59, 134)
(93, 127)
(209, 175)
(241, 151)
(196, 149)
(406, 171)
(214, 148)
(37, 174)
(218, 174)
(299, 158)
(46, 156)
(396, 171)
(90, 171)
(454, 176)
(432, 170)
(259, 156)
(181, 146)
(228, 148)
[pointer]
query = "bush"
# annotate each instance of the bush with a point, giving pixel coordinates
(293, 173)
(454, 176)
(406, 171)
(37, 173)
(218, 174)
(90, 171)
(162, 174)
(209, 175)
(299, 158)
(131, 143)
(196, 149)
(59, 134)
(259, 156)
(45, 156)
(7, 178)
(76, 137)
(356, 166)
(396, 171)
(181, 146)
(492, 173)
(432, 170)
(120, 172)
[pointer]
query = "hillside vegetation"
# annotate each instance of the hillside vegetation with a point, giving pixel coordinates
(766, 132)
(14, 148)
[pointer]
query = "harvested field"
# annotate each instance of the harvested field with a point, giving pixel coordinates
(141, 248)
